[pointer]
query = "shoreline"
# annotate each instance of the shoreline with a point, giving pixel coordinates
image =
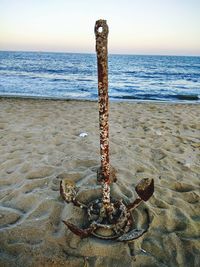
(196, 102)
(40, 144)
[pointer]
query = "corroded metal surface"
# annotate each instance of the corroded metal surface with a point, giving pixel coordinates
(112, 176)
(114, 221)
(68, 191)
(135, 233)
(111, 222)
(145, 188)
(107, 218)
(101, 33)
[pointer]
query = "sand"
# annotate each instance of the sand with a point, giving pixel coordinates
(40, 145)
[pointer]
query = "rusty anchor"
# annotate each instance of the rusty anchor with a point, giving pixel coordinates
(107, 218)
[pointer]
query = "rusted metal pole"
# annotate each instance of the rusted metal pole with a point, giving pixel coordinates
(101, 33)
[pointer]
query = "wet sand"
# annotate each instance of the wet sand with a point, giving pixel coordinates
(40, 145)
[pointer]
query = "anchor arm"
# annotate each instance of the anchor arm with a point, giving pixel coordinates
(134, 205)
(83, 233)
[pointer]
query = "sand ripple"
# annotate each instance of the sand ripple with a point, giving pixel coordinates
(40, 145)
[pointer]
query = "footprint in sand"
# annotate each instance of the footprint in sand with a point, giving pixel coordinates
(9, 216)
(40, 172)
(183, 187)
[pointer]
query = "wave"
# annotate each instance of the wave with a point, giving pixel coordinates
(158, 97)
(84, 80)
(187, 97)
(156, 74)
(59, 80)
(130, 77)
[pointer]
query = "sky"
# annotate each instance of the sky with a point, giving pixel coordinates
(162, 27)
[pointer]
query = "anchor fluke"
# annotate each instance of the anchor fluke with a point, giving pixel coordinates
(145, 188)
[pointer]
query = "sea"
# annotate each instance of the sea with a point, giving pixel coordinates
(74, 76)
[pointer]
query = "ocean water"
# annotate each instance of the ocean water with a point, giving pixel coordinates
(74, 76)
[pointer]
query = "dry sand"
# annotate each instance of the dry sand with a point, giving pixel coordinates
(40, 145)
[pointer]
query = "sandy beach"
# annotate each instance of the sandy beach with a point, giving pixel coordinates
(40, 144)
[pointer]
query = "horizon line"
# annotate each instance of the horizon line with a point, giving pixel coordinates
(126, 54)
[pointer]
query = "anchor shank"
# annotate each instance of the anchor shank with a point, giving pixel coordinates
(101, 33)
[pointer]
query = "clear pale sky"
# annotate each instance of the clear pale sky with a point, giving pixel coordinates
(136, 26)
